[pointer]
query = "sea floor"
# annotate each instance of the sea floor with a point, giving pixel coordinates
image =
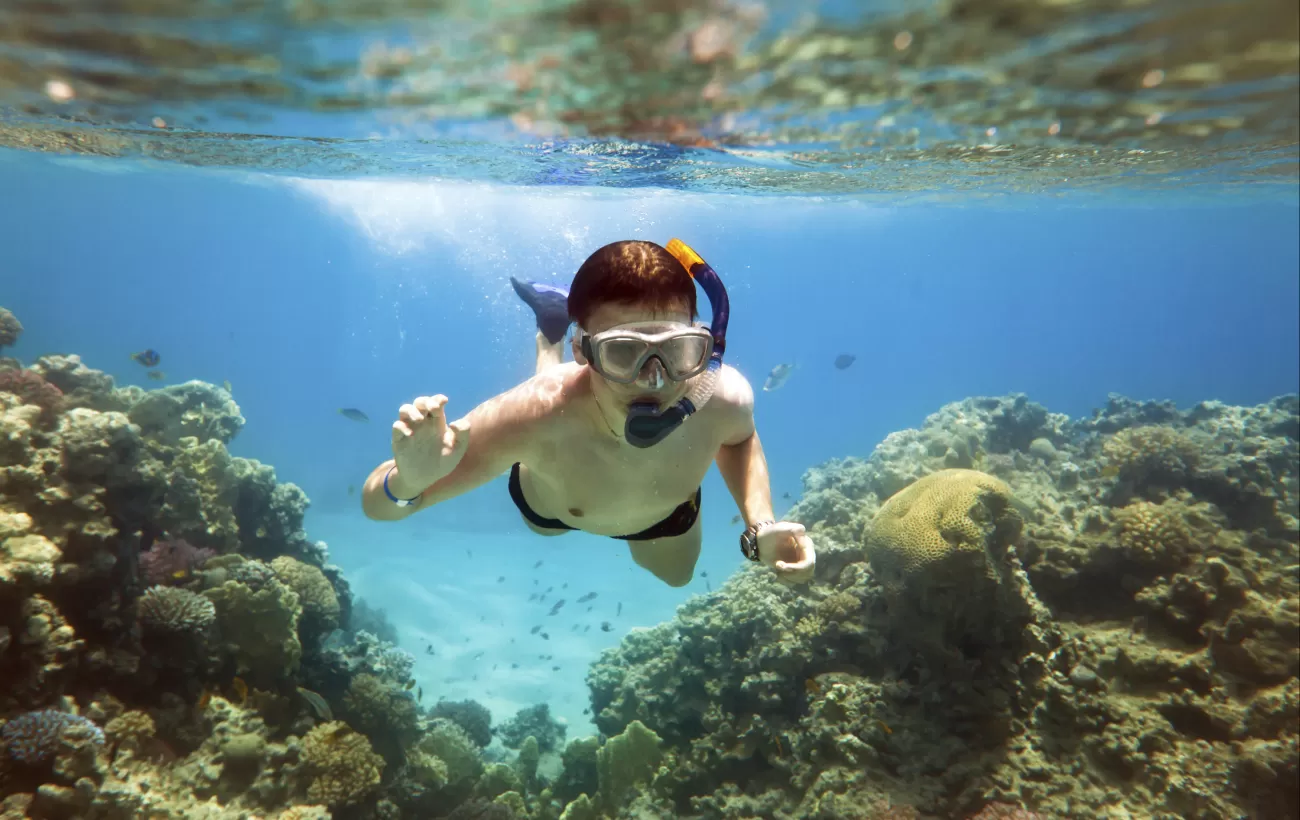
(460, 602)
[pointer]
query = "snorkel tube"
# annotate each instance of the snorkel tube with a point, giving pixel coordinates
(646, 426)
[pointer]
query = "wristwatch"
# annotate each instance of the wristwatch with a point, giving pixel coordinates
(749, 539)
(401, 502)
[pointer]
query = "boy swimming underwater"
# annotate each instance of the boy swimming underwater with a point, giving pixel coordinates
(618, 441)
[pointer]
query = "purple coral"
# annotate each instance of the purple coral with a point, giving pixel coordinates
(170, 560)
(32, 738)
(31, 388)
(175, 611)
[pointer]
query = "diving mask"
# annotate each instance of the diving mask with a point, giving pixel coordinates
(620, 353)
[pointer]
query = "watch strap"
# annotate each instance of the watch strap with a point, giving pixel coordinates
(749, 539)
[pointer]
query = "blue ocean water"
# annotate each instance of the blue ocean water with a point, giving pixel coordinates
(312, 295)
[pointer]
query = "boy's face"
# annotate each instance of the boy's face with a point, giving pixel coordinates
(653, 383)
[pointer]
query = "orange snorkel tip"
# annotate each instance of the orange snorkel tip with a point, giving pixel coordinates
(684, 254)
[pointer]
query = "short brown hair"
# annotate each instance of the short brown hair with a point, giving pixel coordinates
(632, 272)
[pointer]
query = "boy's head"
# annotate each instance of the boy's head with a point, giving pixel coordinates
(627, 283)
(635, 277)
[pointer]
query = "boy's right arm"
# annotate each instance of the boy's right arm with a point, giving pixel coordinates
(437, 461)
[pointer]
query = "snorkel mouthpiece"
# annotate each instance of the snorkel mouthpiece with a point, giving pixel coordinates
(646, 426)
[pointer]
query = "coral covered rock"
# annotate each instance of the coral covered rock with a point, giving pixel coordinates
(194, 409)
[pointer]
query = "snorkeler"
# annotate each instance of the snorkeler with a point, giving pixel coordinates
(618, 441)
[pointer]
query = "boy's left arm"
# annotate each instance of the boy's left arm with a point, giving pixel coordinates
(782, 545)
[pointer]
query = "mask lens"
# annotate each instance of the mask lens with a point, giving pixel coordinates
(621, 358)
(683, 356)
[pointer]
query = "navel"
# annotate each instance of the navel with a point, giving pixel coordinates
(575, 512)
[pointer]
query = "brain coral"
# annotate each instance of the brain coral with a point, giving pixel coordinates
(345, 768)
(173, 610)
(33, 738)
(944, 527)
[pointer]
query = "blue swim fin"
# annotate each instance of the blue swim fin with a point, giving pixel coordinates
(549, 303)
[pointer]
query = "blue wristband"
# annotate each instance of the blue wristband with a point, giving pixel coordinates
(401, 502)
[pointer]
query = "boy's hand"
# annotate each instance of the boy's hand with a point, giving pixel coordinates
(425, 447)
(787, 549)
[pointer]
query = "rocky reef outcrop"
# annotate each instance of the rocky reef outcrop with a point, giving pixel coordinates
(1015, 614)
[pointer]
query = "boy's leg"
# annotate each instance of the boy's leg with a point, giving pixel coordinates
(551, 307)
(548, 353)
(671, 559)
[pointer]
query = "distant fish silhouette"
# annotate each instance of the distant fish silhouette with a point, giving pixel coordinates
(156, 375)
(354, 414)
(148, 358)
(844, 361)
(778, 377)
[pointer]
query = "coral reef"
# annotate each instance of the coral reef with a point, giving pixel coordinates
(1015, 615)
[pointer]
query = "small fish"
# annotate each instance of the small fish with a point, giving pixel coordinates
(812, 688)
(557, 606)
(786, 496)
(605, 626)
(587, 711)
(548, 590)
(735, 519)
(469, 554)
(241, 690)
(180, 573)
(514, 666)
(148, 358)
(844, 361)
(708, 587)
(419, 694)
(620, 609)
(1110, 471)
(156, 375)
(479, 655)
(532, 597)
(538, 564)
(353, 413)
(704, 573)
(587, 628)
(564, 586)
(500, 578)
(226, 384)
(429, 650)
(555, 669)
(410, 684)
(545, 637)
(352, 489)
(535, 630)
(778, 377)
(590, 608)
(590, 596)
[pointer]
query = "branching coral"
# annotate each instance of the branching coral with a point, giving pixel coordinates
(33, 738)
(341, 764)
(1153, 534)
(10, 328)
(171, 560)
(1151, 453)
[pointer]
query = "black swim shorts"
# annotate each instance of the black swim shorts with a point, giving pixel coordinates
(679, 521)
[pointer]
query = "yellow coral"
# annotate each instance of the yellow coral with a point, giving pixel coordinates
(344, 766)
(1153, 533)
(320, 604)
(946, 521)
(1141, 451)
